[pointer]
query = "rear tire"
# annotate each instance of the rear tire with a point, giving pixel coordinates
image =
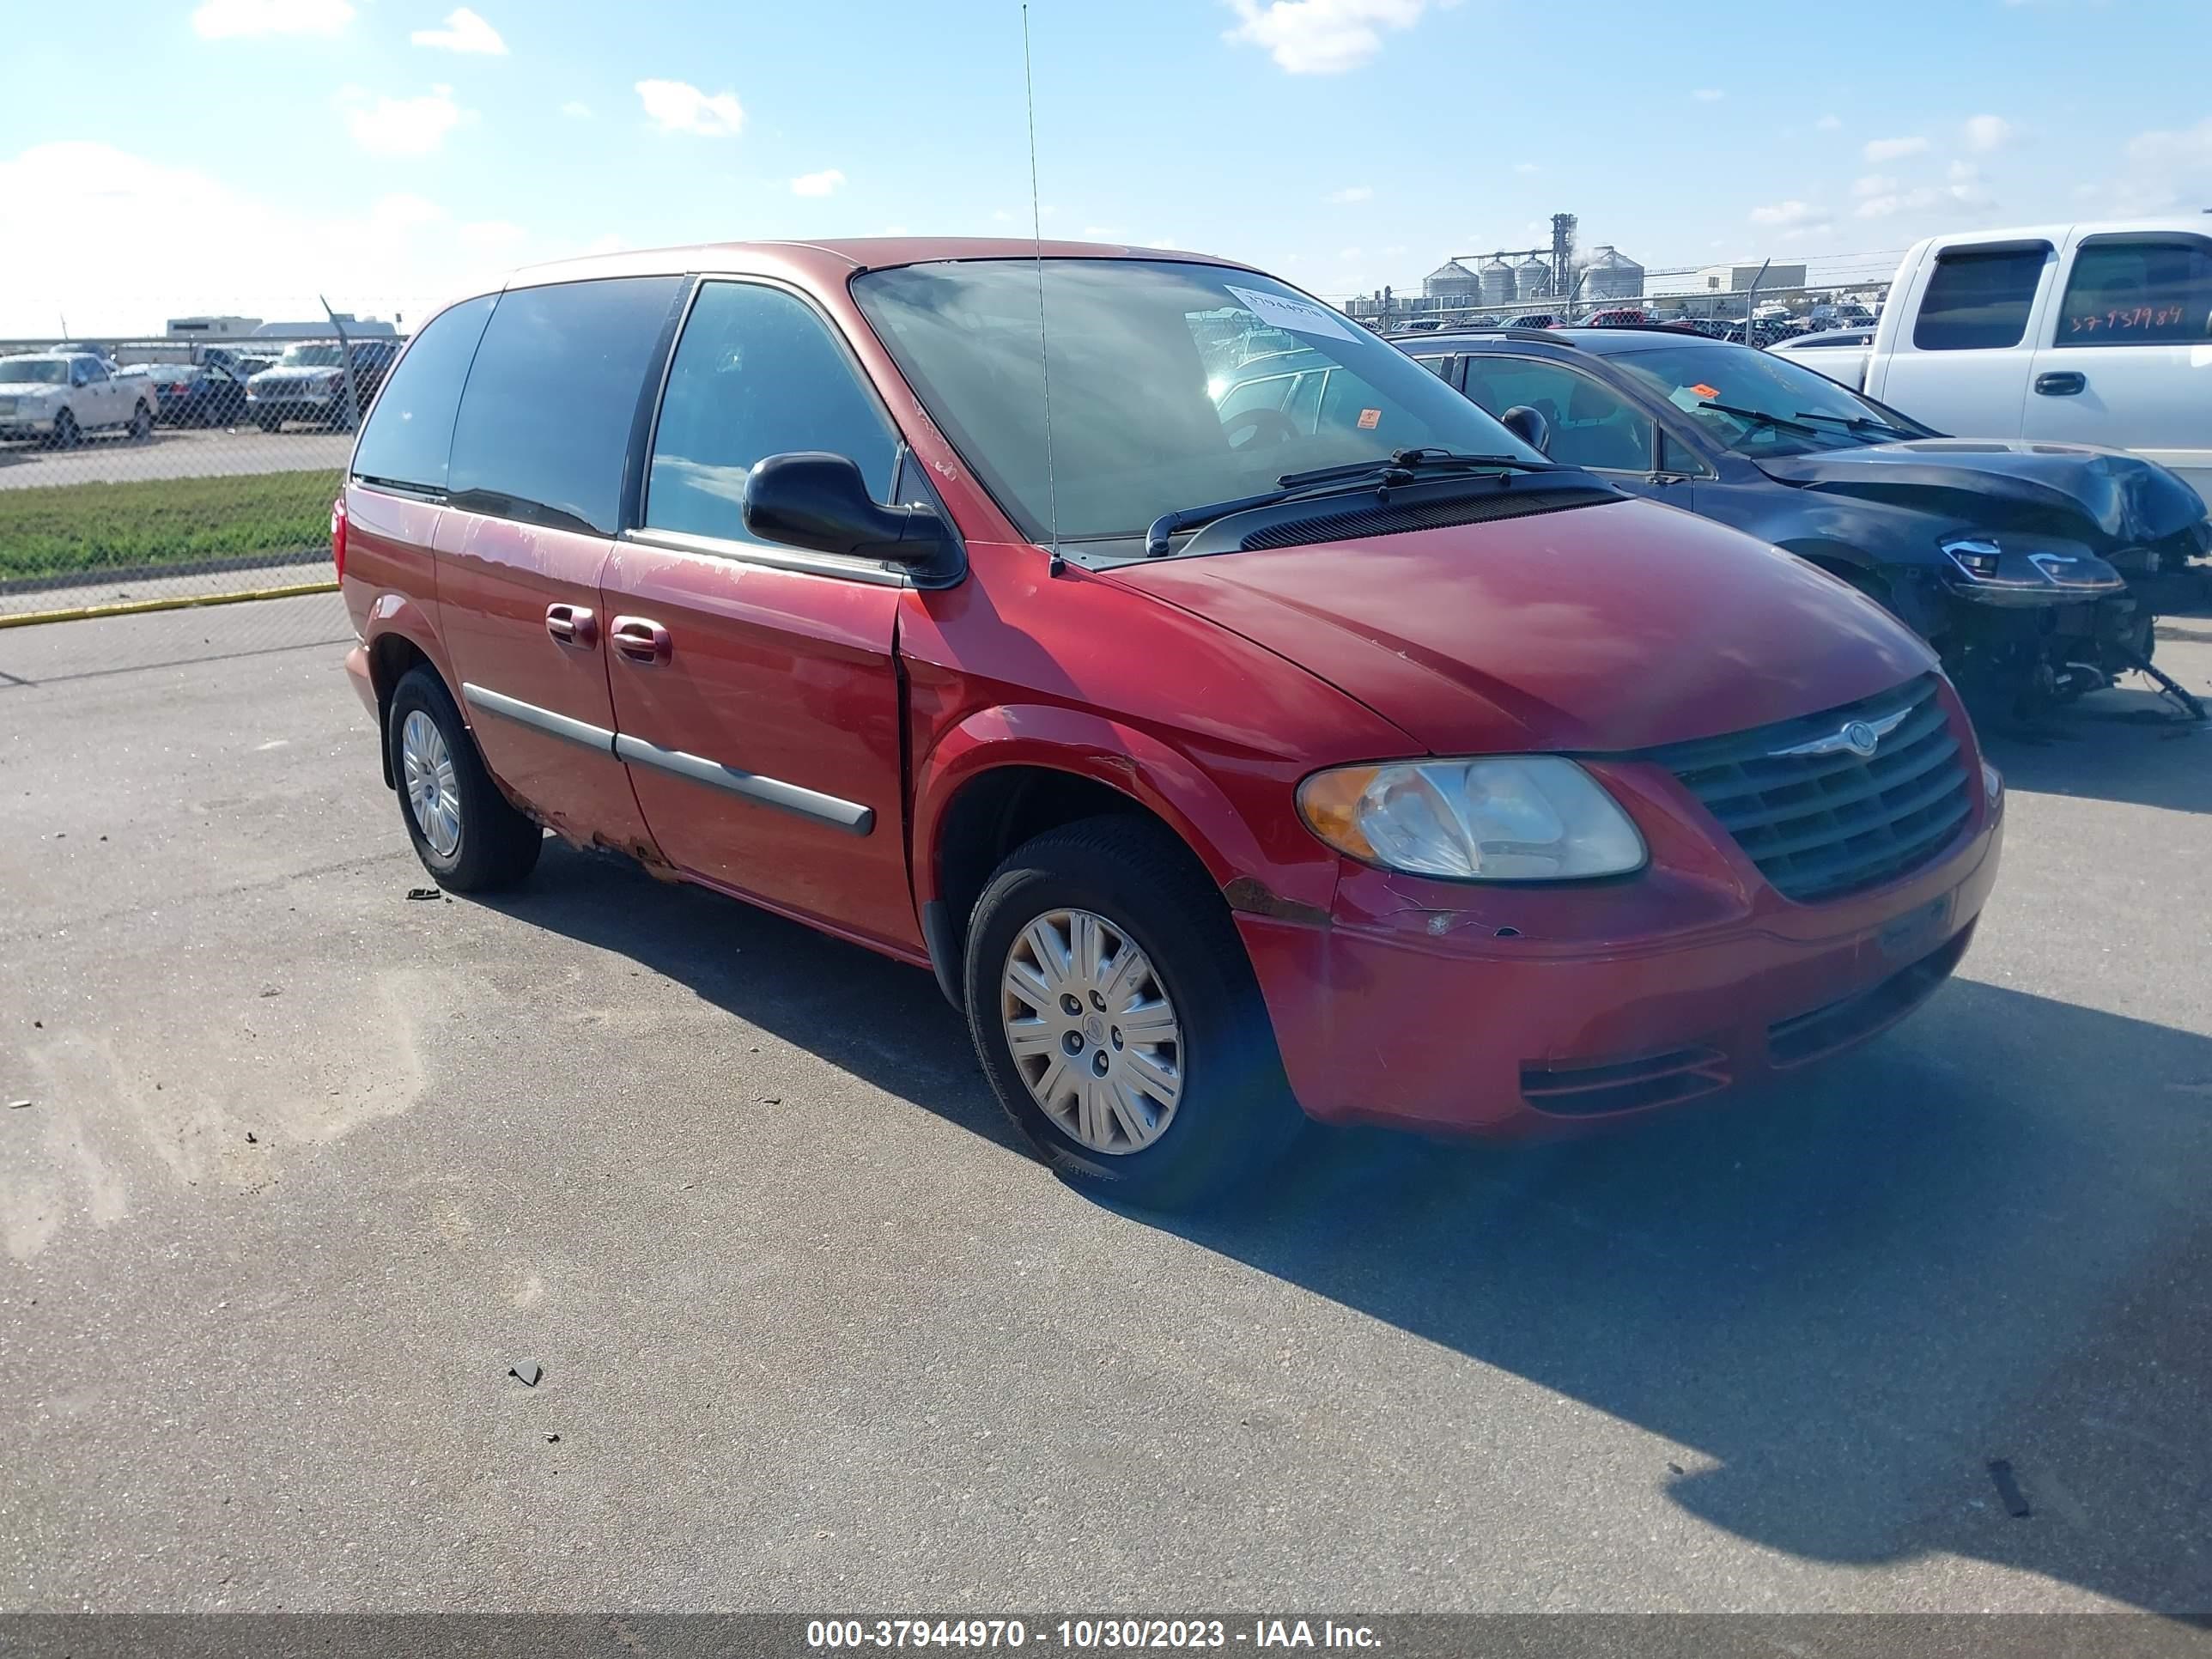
(467, 835)
(141, 423)
(1232, 1113)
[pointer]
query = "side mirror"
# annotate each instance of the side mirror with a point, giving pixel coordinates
(1529, 427)
(812, 499)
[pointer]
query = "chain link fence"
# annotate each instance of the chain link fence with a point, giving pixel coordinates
(190, 463)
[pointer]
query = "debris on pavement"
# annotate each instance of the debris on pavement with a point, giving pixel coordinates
(2015, 1501)
(526, 1371)
(17, 1105)
(422, 894)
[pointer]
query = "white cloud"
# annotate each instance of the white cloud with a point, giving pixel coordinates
(1873, 184)
(1988, 132)
(576, 110)
(893, 230)
(679, 107)
(1789, 214)
(818, 183)
(1001, 215)
(1350, 253)
(1893, 149)
(608, 243)
(1829, 123)
(229, 19)
(464, 31)
(1352, 193)
(1102, 232)
(492, 236)
(2165, 169)
(402, 126)
(1393, 250)
(1526, 167)
(1320, 37)
(1709, 95)
(397, 253)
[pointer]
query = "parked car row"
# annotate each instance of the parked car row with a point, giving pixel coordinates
(1298, 740)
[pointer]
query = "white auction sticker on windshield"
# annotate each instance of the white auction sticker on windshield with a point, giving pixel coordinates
(1298, 316)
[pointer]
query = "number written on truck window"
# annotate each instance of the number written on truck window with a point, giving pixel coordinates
(2138, 292)
(1978, 299)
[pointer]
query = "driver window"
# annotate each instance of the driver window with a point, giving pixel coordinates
(756, 374)
(1591, 425)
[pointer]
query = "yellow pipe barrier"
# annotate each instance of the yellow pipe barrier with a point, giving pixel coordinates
(185, 602)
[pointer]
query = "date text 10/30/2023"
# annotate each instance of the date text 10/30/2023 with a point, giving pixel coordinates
(1086, 1634)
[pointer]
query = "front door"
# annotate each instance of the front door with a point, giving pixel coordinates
(2123, 362)
(1961, 366)
(756, 688)
(539, 452)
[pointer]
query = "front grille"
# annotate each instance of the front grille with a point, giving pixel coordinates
(1344, 527)
(1821, 825)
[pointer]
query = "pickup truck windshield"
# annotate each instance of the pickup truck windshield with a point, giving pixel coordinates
(1758, 404)
(1172, 385)
(311, 356)
(33, 371)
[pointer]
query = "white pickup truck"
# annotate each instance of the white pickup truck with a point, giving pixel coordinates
(2088, 334)
(58, 396)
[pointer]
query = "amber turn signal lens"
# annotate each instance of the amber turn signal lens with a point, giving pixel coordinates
(1329, 803)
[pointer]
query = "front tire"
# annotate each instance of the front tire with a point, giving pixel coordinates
(141, 423)
(467, 835)
(1115, 1012)
(65, 431)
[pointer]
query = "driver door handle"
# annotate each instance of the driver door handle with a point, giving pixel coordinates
(641, 640)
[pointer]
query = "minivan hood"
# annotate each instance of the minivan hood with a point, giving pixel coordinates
(1593, 630)
(2104, 498)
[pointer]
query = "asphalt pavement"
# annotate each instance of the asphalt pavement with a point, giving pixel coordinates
(308, 1165)
(174, 452)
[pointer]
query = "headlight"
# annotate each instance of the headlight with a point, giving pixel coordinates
(1510, 818)
(1979, 559)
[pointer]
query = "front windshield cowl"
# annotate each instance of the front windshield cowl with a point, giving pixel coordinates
(1174, 384)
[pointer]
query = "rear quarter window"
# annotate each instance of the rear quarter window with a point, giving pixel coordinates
(545, 424)
(1978, 299)
(409, 433)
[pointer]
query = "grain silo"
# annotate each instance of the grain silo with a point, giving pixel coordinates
(1454, 281)
(1532, 278)
(1498, 287)
(1612, 275)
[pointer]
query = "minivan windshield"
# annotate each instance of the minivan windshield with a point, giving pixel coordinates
(1172, 385)
(1757, 403)
(320, 355)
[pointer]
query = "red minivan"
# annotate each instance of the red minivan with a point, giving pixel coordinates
(1232, 741)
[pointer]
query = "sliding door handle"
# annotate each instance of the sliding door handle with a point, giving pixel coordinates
(640, 639)
(572, 624)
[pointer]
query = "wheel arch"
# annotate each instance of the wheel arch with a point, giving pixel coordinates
(399, 641)
(1005, 775)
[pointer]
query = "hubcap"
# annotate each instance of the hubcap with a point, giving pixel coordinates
(434, 795)
(1092, 1031)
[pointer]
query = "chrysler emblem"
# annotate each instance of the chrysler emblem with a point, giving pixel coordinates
(1860, 738)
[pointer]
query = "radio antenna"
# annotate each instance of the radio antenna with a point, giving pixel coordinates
(1044, 353)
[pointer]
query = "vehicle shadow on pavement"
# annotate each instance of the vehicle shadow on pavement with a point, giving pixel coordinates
(2125, 745)
(1983, 1238)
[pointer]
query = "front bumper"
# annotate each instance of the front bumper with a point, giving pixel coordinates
(27, 426)
(1510, 1012)
(294, 406)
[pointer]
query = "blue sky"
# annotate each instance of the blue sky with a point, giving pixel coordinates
(246, 154)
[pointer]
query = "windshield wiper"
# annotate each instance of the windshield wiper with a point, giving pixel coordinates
(1762, 419)
(1859, 423)
(1409, 462)
(1401, 467)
